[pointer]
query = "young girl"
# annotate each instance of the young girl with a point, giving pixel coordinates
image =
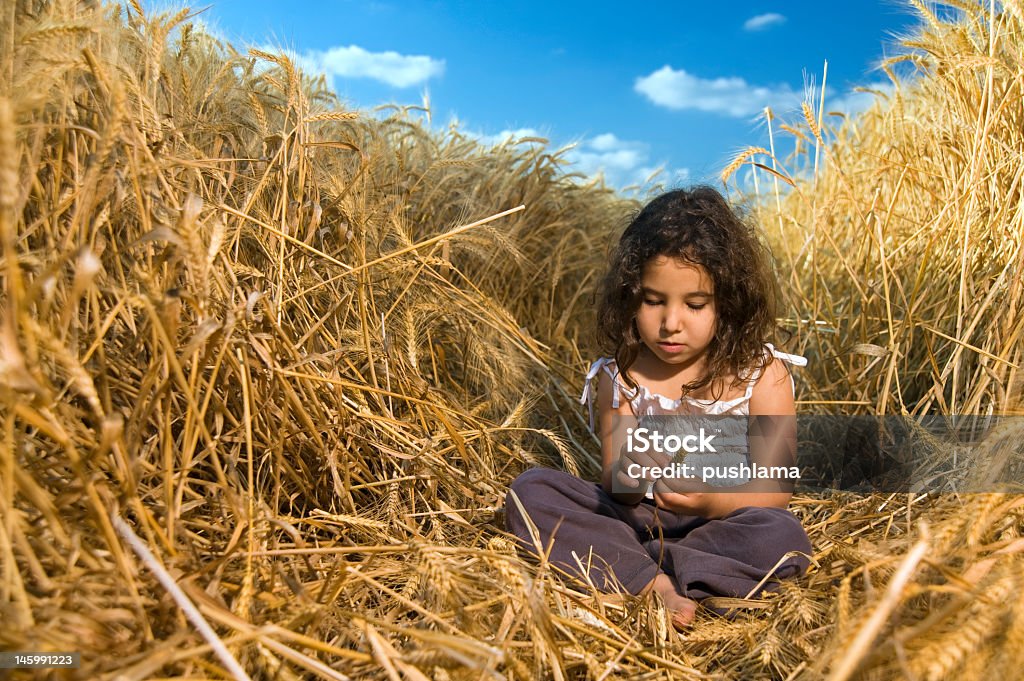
(685, 314)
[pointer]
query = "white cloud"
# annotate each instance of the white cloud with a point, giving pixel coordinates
(352, 61)
(623, 163)
(763, 21)
(680, 176)
(609, 154)
(734, 96)
(856, 101)
(505, 136)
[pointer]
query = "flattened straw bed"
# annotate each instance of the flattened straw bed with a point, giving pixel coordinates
(297, 353)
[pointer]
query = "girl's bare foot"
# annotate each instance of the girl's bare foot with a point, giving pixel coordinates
(681, 610)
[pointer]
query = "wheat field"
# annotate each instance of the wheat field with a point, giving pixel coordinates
(269, 364)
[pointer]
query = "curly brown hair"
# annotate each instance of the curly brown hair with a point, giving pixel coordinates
(699, 227)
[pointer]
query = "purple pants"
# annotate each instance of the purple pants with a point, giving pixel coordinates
(632, 544)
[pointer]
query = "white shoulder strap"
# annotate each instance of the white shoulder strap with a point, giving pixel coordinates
(588, 392)
(795, 360)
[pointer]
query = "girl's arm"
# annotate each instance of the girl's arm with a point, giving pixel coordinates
(612, 425)
(772, 396)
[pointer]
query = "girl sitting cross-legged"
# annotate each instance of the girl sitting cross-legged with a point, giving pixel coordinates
(686, 313)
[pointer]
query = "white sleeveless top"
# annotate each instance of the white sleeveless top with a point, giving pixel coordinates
(732, 436)
(646, 403)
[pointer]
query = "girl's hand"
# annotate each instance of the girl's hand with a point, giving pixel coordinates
(625, 488)
(703, 504)
(686, 499)
(632, 468)
(684, 504)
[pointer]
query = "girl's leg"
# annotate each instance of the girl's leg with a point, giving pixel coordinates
(731, 555)
(574, 516)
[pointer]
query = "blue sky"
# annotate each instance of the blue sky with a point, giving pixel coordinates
(635, 86)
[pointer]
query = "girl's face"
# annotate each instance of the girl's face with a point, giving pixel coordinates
(676, 319)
